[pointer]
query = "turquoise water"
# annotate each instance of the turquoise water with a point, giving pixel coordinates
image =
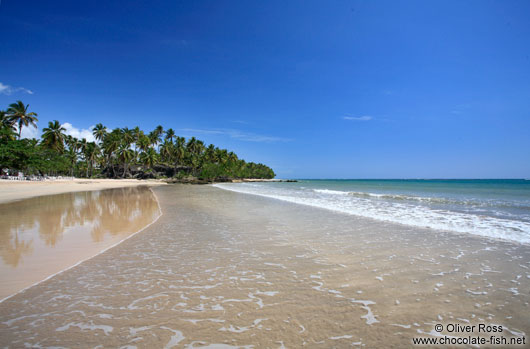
(494, 208)
(496, 197)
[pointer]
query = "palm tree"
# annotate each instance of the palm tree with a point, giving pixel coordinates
(149, 157)
(232, 159)
(159, 131)
(99, 132)
(137, 133)
(144, 143)
(199, 147)
(125, 155)
(232, 156)
(209, 153)
(53, 136)
(83, 146)
(199, 151)
(7, 129)
(180, 150)
(72, 153)
(127, 136)
(194, 149)
(166, 151)
(91, 153)
(191, 145)
(110, 144)
(5, 120)
(18, 114)
(170, 134)
(221, 155)
(153, 138)
(155, 135)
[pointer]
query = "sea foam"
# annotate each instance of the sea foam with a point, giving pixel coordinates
(394, 208)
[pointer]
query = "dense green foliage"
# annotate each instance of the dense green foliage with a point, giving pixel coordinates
(121, 152)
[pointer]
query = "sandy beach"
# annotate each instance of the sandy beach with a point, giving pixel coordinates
(236, 270)
(18, 190)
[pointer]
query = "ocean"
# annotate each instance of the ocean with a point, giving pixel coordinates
(491, 208)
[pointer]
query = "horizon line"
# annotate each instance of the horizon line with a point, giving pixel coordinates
(423, 179)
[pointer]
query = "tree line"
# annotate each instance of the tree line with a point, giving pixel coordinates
(117, 153)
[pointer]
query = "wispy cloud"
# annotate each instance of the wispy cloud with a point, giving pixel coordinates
(9, 90)
(236, 134)
(79, 133)
(358, 118)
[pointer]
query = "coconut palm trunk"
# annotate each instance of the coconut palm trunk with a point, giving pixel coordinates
(125, 166)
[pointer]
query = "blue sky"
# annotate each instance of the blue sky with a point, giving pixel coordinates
(315, 89)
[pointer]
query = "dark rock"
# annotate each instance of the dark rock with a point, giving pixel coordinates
(188, 180)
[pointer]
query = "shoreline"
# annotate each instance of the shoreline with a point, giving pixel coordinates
(18, 190)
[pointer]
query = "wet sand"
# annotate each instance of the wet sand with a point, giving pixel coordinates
(223, 268)
(44, 235)
(18, 190)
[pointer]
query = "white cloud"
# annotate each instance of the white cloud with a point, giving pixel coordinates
(9, 90)
(79, 133)
(236, 134)
(29, 132)
(32, 132)
(358, 118)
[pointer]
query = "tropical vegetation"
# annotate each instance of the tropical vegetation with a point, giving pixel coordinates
(116, 153)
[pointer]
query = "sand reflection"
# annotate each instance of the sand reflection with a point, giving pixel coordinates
(43, 235)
